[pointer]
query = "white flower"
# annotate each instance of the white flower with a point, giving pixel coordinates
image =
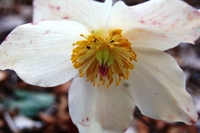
(115, 55)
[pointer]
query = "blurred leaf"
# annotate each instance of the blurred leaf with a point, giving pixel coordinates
(29, 103)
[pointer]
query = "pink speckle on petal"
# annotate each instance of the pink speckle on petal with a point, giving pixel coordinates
(154, 23)
(82, 124)
(142, 21)
(188, 109)
(6, 39)
(47, 32)
(189, 17)
(51, 6)
(196, 12)
(34, 23)
(162, 36)
(165, 16)
(192, 121)
(5, 53)
(66, 17)
(171, 116)
(58, 8)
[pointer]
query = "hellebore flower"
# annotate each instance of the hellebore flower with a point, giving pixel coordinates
(114, 54)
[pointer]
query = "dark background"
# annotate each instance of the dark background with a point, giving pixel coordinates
(30, 109)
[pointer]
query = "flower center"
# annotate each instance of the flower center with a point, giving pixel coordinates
(104, 60)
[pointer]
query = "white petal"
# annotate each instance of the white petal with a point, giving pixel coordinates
(100, 109)
(159, 24)
(40, 52)
(159, 87)
(91, 13)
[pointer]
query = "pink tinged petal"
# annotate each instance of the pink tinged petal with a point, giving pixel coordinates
(159, 24)
(40, 52)
(91, 13)
(159, 87)
(100, 109)
(49, 10)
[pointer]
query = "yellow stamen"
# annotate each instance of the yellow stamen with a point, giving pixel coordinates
(104, 60)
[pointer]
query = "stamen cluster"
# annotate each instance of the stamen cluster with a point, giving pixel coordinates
(104, 60)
